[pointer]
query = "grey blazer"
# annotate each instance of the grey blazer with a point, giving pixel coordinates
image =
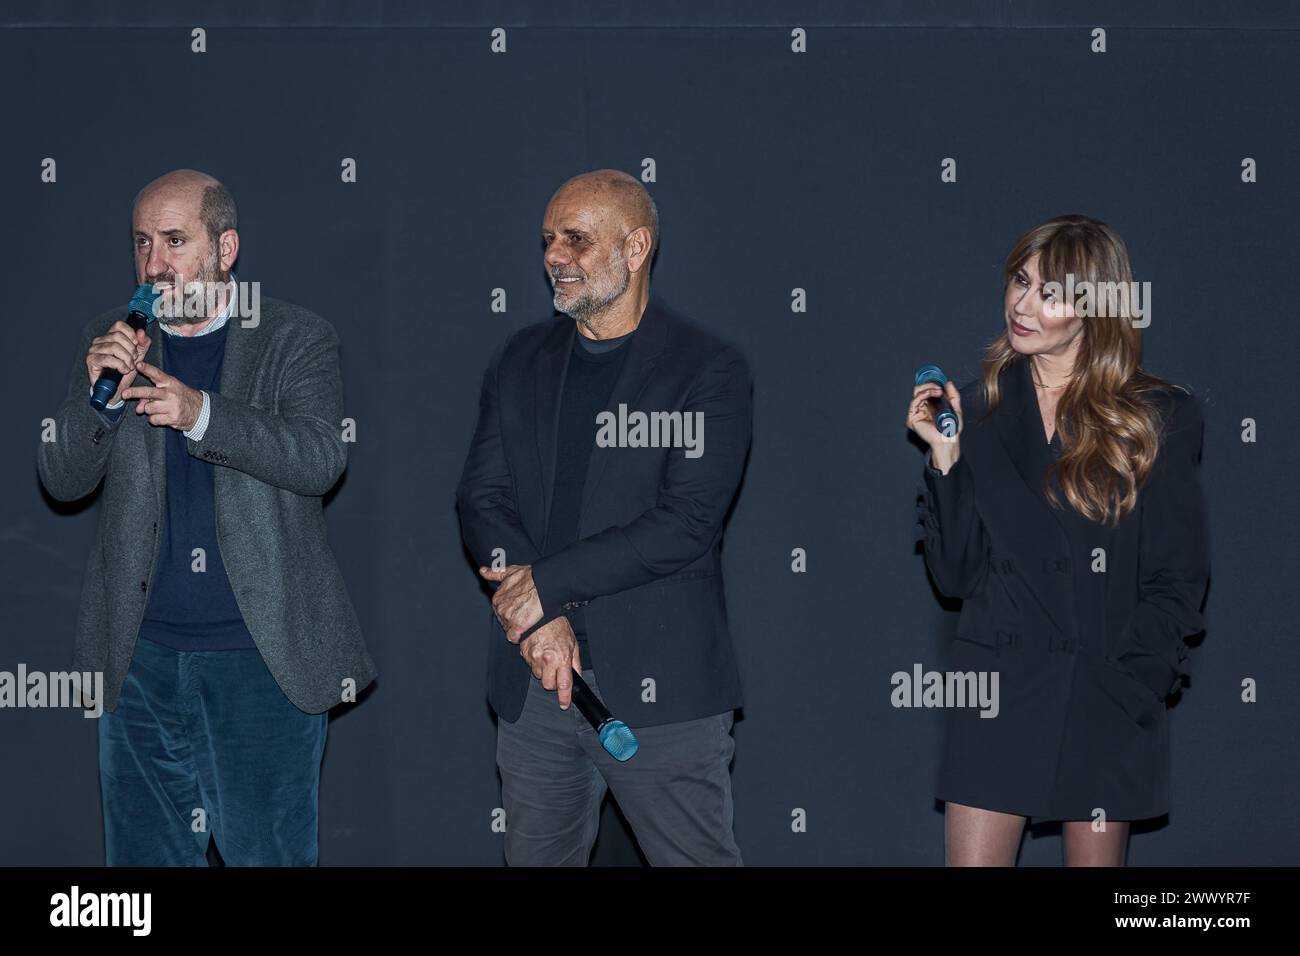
(274, 438)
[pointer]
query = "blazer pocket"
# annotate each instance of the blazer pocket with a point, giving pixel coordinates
(687, 576)
(1001, 580)
(1146, 679)
(659, 588)
(1142, 704)
(993, 639)
(989, 619)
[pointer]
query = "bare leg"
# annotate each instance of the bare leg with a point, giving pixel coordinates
(977, 837)
(1084, 847)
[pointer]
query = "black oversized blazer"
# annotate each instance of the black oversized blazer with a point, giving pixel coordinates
(647, 569)
(1085, 659)
(989, 516)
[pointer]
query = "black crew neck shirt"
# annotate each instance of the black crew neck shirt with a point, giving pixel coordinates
(594, 367)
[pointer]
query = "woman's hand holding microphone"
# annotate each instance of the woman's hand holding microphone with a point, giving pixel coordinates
(944, 450)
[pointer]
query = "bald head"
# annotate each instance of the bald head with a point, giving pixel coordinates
(621, 195)
(183, 231)
(198, 191)
(599, 236)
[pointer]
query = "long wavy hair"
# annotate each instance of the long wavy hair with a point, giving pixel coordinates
(1108, 424)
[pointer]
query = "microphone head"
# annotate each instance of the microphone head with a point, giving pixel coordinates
(930, 373)
(946, 422)
(618, 740)
(143, 301)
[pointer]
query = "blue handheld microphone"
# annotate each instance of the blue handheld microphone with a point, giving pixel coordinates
(946, 419)
(139, 315)
(615, 736)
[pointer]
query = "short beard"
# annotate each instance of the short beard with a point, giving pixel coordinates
(587, 308)
(209, 272)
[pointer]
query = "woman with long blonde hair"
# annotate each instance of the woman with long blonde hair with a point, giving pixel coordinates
(1067, 515)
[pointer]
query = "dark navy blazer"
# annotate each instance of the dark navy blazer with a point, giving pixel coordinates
(647, 566)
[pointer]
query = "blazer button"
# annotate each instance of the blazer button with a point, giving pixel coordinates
(143, 586)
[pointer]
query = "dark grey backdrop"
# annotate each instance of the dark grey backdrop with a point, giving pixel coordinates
(774, 171)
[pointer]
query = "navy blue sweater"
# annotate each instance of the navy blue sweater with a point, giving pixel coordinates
(192, 610)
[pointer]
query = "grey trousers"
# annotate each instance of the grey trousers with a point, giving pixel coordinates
(675, 793)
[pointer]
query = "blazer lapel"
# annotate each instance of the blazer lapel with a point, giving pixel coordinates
(240, 358)
(154, 445)
(644, 350)
(236, 376)
(1020, 427)
(548, 386)
(237, 366)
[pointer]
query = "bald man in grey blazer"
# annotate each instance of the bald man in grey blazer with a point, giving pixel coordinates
(211, 602)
